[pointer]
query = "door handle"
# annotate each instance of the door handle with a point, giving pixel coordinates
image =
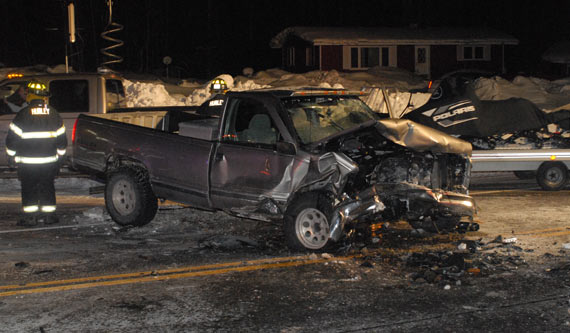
(219, 157)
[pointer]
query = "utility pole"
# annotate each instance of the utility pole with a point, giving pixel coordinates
(70, 38)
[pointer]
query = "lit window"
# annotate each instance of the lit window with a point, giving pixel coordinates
(474, 53)
(367, 57)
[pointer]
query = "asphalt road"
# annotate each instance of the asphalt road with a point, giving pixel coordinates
(197, 271)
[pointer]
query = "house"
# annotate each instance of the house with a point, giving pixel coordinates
(430, 52)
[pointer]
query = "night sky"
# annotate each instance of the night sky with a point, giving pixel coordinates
(205, 38)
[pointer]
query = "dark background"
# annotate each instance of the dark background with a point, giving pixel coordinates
(206, 38)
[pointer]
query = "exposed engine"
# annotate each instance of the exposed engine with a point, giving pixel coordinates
(382, 161)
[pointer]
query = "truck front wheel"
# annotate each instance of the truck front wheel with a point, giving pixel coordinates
(129, 197)
(307, 223)
(552, 176)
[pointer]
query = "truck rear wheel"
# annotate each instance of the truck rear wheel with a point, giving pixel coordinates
(129, 198)
(552, 176)
(307, 223)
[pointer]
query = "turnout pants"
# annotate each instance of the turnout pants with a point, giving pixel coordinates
(38, 190)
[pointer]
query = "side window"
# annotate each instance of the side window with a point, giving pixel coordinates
(249, 122)
(69, 95)
(115, 94)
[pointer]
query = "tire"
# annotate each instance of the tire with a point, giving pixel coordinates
(307, 223)
(552, 176)
(129, 198)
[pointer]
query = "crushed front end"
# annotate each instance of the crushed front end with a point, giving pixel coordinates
(405, 172)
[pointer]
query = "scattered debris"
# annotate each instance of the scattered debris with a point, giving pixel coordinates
(457, 266)
(21, 264)
(45, 271)
(510, 240)
(367, 264)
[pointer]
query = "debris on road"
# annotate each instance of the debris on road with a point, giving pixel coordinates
(21, 264)
(510, 240)
(472, 259)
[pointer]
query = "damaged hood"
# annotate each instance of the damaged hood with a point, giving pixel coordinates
(422, 138)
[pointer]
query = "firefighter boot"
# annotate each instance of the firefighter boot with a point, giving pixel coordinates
(51, 219)
(28, 220)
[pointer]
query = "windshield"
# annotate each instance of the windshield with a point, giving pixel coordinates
(316, 118)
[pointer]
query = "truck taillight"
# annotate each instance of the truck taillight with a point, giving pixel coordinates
(73, 132)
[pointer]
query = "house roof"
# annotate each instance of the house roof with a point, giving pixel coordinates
(394, 36)
(558, 53)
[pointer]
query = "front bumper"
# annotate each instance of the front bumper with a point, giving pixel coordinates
(408, 201)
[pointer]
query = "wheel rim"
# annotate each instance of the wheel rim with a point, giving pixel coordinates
(554, 176)
(124, 197)
(312, 228)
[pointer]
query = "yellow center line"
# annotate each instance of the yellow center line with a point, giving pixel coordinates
(156, 272)
(168, 277)
(530, 232)
(192, 271)
(552, 234)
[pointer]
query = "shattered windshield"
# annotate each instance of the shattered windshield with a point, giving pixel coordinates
(316, 118)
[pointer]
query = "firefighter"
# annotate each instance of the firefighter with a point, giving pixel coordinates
(36, 144)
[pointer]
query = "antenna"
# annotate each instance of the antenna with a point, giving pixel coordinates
(111, 27)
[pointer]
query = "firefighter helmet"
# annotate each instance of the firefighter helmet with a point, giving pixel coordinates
(37, 90)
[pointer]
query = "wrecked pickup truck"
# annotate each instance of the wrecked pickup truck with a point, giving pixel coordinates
(318, 160)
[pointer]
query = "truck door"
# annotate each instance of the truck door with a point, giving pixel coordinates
(246, 167)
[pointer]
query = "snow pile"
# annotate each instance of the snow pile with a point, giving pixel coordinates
(386, 88)
(142, 94)
(395, 82)
(547, 95)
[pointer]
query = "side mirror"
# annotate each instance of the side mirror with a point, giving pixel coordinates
(286, 148)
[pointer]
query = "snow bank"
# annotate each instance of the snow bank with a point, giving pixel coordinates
(396, 83)
(378, 82)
